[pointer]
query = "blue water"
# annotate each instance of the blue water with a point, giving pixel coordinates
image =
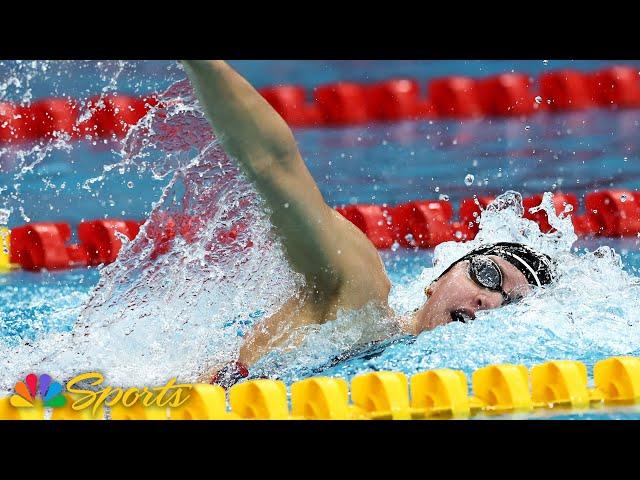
(577, 152)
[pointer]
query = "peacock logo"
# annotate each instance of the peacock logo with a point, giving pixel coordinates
(32, 387)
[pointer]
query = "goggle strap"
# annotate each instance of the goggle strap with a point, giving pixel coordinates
(531, 271)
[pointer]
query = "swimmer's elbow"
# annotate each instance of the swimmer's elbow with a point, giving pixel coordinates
(275, 164)
(283, 148)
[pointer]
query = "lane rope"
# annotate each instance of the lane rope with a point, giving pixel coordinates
(557, 387)
(348, 103)
(416, 224)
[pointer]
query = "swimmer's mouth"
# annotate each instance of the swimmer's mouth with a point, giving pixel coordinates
(462, 315)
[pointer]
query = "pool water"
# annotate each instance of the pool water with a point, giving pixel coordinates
(380, 163)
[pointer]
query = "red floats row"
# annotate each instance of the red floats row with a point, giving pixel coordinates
(611, 213)
(425, 224)
(38, 246)
(416, 224)
(44, 245)
(347, 103)
(111, 115)
(508, 94)
(572, 90)
(422, 224)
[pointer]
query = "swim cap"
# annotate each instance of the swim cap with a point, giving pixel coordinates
(536, 267)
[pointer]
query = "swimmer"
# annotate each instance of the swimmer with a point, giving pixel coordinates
(341, 267)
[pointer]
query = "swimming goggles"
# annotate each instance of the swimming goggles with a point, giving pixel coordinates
(486, 273)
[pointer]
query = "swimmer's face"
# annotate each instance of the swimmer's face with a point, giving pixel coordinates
(456, 297)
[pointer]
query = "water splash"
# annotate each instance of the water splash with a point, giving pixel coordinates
(160, 310)
(27, 162)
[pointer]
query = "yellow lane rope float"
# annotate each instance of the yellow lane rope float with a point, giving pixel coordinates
(560, 385)
(5, 239)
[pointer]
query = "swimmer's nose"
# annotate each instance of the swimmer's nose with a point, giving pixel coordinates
(487, 301)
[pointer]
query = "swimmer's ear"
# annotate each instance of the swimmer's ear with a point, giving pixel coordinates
(428, 291)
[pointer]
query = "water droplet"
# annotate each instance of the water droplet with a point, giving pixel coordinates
(458, 234)
(527, 127)
(4, 216)
(623, 198)
(437, 189)
(538, 99)
(468, 180)
(130, 184)
(475, 163)
(443, 197)
(545, 62)
(286, 205)
(395, 246)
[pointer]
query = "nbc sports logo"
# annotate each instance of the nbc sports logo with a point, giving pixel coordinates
(33, 387)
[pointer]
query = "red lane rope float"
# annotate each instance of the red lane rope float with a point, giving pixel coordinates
(291, 103)
(349, 103)
(343, 103)
(506, 95)
(568, 90)
(109, 116)
(615, 212)
(113, 115)
(456, 97)
(416, 224)
(99, 238)
(423, 224)
(396, 99)
(617, 86)
(43, 245)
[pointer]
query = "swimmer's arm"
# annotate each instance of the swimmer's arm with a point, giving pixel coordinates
(327, 249)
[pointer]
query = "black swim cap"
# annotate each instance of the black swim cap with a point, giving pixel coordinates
(537, 267)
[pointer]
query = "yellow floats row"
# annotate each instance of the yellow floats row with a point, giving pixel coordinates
(5, 265)
(442, 393)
